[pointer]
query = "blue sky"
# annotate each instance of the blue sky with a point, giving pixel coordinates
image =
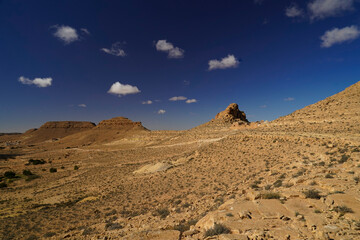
(94, 60)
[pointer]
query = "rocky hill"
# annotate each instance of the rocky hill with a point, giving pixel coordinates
(339, 113)
(119, 123)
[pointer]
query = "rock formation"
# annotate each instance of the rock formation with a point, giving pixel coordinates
(68, 125)
(232, 114)
(119, 123)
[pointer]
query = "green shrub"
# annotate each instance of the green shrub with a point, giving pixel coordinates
(3, 185)
(217, 230)
(53, 170)
(76, 167)
(344, 158)
(314, 194)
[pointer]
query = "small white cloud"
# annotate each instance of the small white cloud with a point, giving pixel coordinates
(320, 9)
(179, 98)
(173, 52)
(289, 99)
(191, 101)
(147, 102)
(123, 89)
(293, 11)
(227, 62)
(115, 50)
(161, 111)
(66, 34)
(337, 36)
(186, 82)
(82, 105)
(39, 82)
(263, 106)
(84, 30)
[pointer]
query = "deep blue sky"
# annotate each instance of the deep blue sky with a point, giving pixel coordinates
(280, 57)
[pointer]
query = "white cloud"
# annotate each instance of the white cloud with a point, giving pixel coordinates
(123, 89)
(115, 50)
(161, 111)
(227, 62)
(191, 101)
(289, 99)
(82, 105)
(39, 82)
(263, 106)
(84, 30)
(337, 36)
(173, 52)
(66, 34)
(179, 98)
(147, 102)
(320, 9)
(293, 11)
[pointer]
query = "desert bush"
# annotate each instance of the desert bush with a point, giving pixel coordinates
(162, 213)
(270, 195)
(27, 172)
(53, 170)
(3, 185)
(314, 194)
(113, 226)
(76, 167)
(278, 183)
(10, 174)
(343, 158)
(217, 230)
(342, 210)
(35, 162)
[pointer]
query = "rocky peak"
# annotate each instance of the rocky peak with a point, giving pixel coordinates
(119, 123)
(232, 114)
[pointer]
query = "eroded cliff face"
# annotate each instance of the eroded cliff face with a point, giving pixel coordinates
(119, 123)
(68, 125)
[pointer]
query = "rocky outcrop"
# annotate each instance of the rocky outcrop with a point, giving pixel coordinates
(119, 123)
(231, 114)
(68, 125)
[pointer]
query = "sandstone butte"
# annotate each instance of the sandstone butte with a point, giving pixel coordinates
(296, 177)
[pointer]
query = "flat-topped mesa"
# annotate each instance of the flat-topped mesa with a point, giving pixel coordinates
(119, 123)
(232, 114)
(68, 125)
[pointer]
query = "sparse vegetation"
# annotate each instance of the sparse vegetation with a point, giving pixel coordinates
(162, 213)
(35, 162)
(343, 158)
(218, 229)
(76, 167)
(270, 195)
(342, 210)
(278, 183)
(314, 194)
(53, 170)
(10, 174)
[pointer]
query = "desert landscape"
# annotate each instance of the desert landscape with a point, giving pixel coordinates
(296, 177)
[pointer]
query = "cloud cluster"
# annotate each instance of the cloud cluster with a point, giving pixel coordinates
(66, 34)
(115, 50)
(173, 52)
(161, 111)
(320, 9)
(82, 105)
(191, 100)
(294, 11)
(337, 36)
(147, 102)
(123, 89)
(227, 62)
(179, 98)
(39, 82)
(289, 99)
